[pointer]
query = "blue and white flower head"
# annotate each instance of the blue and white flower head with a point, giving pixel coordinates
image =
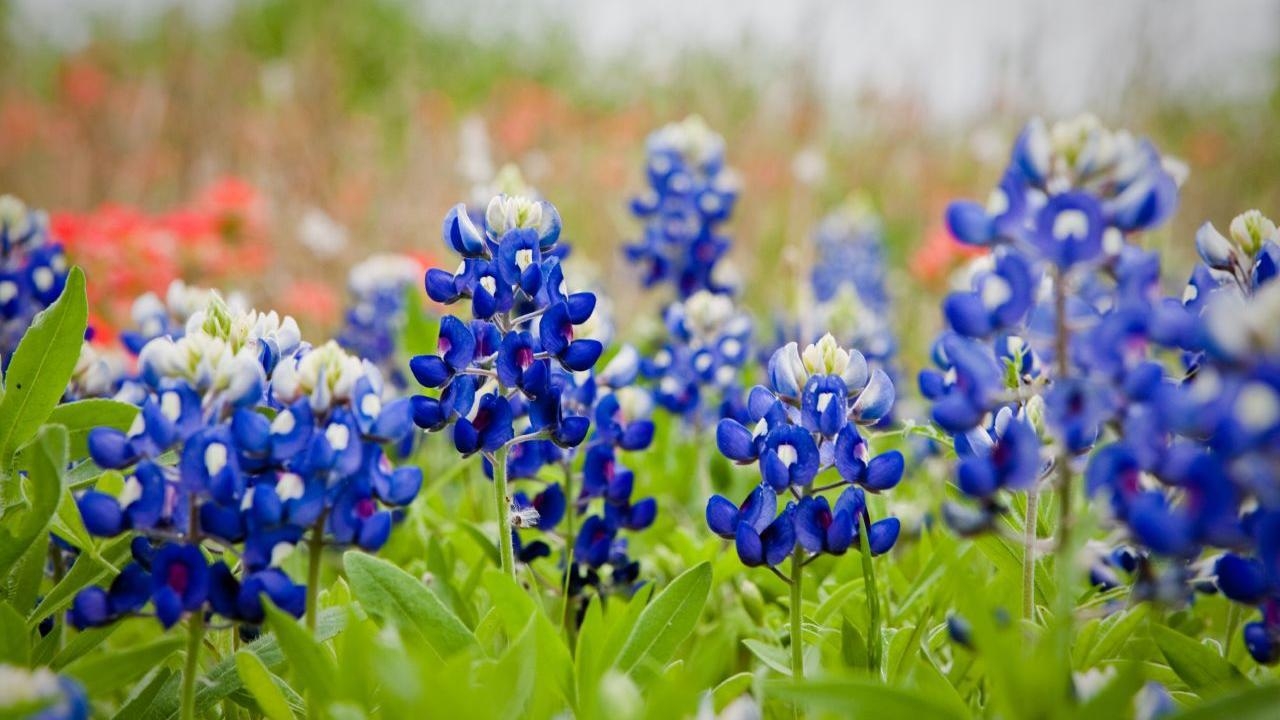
(41, 694)
(804, 423)
(33, 270)
(691, 194)
(275, 440)
(153, 317)
(376, 315)
(696, 371)
(1071, 193)
(98, 373)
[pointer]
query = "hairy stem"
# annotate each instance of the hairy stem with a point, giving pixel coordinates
(873, 598)
(1029, 556)
(797, 634)
(503, 508)
(1063, 340)
(570, 511)
(195, 636)
(315, 553)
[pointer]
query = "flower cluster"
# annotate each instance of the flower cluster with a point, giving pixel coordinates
(804, 423)
(40, 694)
(33, 271)
(512, 357)
(1199, 470)
(273, 440)
(691, 193)
(695, 374)
(375, 318)
(605, 503)
(1053, 334)
(850, 290)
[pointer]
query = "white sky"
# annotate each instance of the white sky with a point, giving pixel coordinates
(954, 59)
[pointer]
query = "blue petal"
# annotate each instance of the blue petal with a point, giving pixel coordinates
(722, 516)
(969, 223)
(883, 534)
(735, 441)
(884, 471)
(582, 354)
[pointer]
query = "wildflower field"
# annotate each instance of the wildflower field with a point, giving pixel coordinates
(422, 377)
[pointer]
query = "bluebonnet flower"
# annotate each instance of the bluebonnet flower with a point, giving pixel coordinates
(513, 360)
(376, 315)
(695, 374)
(691, 194)
(274, 440)
(804, 423)
(33, 271)
(40, 694)
(153, 317)
(1052, 338)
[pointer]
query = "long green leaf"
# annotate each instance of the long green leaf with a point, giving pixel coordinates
(15, 641)
(858, 699)
(223, 680)
(1202, 669)
(667, 621)
(1253, 703)
(29, 523)
(261, 684)
(86, 571)
(395, 595)
(81, 416)
(41, 367)
(311, 664)
(106, 672)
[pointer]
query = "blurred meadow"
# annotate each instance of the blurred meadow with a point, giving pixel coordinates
(356, 125)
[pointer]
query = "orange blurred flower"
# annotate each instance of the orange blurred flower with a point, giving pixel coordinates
(934, 260)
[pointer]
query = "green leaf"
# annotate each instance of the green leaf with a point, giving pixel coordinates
(69, 525)
(27, 524)
(86, 571)
(81, 416)
(41, 367)
(731, 689)
(855, 699)
(395, 595)
(223, 680)
(310, 662)
(144, 694)
(1202, 669)
(106, 672)
(1112, 635)
(774, 657)
(15, 640)
(82, 642)
(667, 621)
(262, 685)
(1253, 703)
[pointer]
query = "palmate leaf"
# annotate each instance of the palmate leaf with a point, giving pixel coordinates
(41, 367)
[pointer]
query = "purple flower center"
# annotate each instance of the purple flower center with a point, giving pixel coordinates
(365, 508)
(178, 578)
(524, 357)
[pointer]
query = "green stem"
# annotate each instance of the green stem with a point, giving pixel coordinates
(797, 633)
(1063, 339)
(1029, 557)
(703, 461)
(570, 511)
(873, 598)
(195, 635)
(315, 554)
(503, 508)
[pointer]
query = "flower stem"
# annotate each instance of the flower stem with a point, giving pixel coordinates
(195, 636)
(315, 553)
(503, 508)
(570, 510)
(1063, 340)
(873, 598)
(1029, 556)
(797, 634)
